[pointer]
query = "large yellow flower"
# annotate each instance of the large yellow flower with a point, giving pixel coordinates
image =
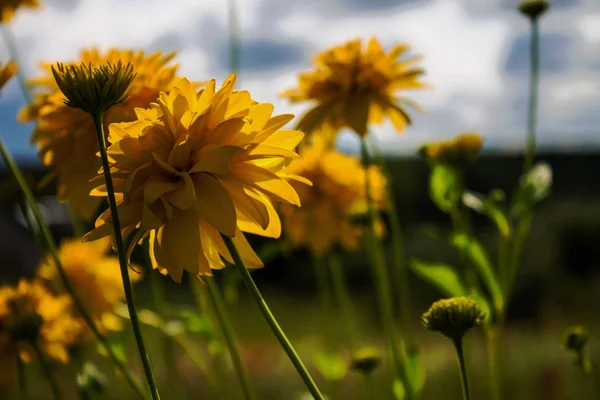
(352, 88)
(9, 7)
(6, 72)
(30, 312)
(336, 196)
(95, 275)
(65, 136)
(197, 165)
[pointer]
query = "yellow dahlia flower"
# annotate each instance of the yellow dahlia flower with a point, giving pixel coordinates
(336, 195)
(95, 275)
(9, 7)
(66, 137)
(6, 72)
(352, 87)
(194, 166)
(30, 312)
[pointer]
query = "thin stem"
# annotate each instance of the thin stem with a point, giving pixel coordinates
(342, 295)
(98, 122)
(47, 368)
(229, 337)
(264, 308)
(52, 249)
(369, 387)
(22, 377)
(533, 95)
(520, 236)
(78, 229)
(462, 369)
(9, 39)
(324, 289)
(235, 46)
(380, 275)
(493, 335)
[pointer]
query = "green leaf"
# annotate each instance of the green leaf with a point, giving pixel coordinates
(398, 389)
(440, 275)
(445, 186)
(331, 365)
(415, 371)
(479, 258)
(533, 187)
(489, 207)
(482, 303)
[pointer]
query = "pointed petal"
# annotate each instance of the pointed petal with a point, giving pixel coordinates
(214, 205)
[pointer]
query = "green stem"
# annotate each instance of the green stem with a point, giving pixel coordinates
(235, 46)
(228, 336)
(47, 368)
(381, 278)
(520, 236)
(533, 95)
(326, 300)
(52, 249)
(493, 335)
(462, 369)
(369, 387)
(342, 295)
(264, 308)
(78, 229)
(22, 377)
(9, 39)
(122, 252)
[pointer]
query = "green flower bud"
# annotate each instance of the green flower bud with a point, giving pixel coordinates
(575, 338)
(365, 360)
(93, 88)
(533, 9)
(453, 317)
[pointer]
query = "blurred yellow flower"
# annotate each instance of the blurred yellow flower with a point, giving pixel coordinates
(458, 151)
(352, 88)
(6, 72)
(30, 312)
(95, 275)
(194, 166)
(9, 7)
(65, 136)
(337, 194)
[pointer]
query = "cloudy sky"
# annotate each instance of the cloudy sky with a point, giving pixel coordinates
(475, 54)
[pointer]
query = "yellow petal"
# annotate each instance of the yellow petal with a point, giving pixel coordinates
(214, 159)
(214, 204)
(185, 196)
(179, 243)
(248, 202)
(266, 181)
(156, 186)
(286, 139)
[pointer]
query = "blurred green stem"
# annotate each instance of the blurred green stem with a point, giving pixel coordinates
(50, 244)
(343, 299)
(533, 96)
(493, 335)
(381, 278)
(22, 378)
(326, 299)
(122, 253)
(369, 387)
(235, 45)
(271, 321)
(462, 369)
(229, 338)
(9, 39)
(47, 368)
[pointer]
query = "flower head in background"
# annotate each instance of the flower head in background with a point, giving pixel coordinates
(336, 195)
(65, 136)
(353, 87)
(196, 165)
(453, 317)
(95, 275)
(6, 72)
(9, 7)
(457, 152)
(29, 312)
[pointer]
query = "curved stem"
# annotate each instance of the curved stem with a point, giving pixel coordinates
(533, 95)
(47, 368)
(264, 308)
(381, 278)
(462, 369)
(340, 291)
(52, 249)
(229, 338)
(122, 253)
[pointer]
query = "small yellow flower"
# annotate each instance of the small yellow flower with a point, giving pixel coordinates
(196, 165)
(353, 87)
(6, 72)
(336, 195)
(93, 88)
(453, 317)
(95, 275)
(30, 312)
(65, 136)
(458, 152)
(9, 7)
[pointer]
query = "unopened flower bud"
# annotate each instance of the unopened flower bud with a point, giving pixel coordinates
(453, 317)
(575, 338)
(533, 9)
(365, 360)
